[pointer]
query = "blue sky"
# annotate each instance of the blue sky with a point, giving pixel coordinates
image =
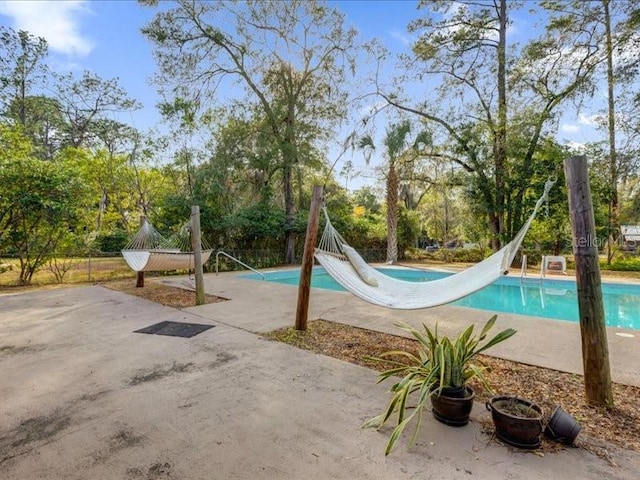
(99, 36)
(104, 37)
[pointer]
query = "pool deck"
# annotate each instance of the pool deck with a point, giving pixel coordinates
(84, 397)
(539, 341)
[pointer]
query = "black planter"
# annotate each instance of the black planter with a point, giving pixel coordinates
(454, 392)
(562, 427)
(453, 410)
(522, 431)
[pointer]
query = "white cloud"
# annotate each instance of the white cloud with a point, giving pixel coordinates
(590, 119)
(372, 108)
(402, 37)
(625, 55)
(58, 65)
(55, 21)
(576, 147)
(569, 128)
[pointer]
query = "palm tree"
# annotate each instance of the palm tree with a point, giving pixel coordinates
(397, 149)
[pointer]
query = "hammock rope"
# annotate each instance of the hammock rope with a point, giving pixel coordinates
(350, 270)
(149, 251)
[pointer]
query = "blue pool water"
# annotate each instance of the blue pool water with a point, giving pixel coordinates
(556, 299)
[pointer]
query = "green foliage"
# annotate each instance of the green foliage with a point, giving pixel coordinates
(254, 227)
(503, 156)
(366, 198)
(625, 264)
(534, 257)
(441, 362)
(41, 205)
(295, 90)
(43, 210)
(22, 69)
(173, 212)
(86, 100)
(548, 236)
(408, 230)
(368, 232)
(449, 255)
(112, 242)
(263, 151)
(42, 120)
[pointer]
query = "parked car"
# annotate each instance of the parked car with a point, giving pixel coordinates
(432, 248)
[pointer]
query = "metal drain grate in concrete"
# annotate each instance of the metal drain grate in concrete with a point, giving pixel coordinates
(175, 329)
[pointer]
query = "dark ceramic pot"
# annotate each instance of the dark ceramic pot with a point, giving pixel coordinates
(518, 422)
(453, 410)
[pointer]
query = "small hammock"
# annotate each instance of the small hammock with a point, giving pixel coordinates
(350, 270)
(149, 251)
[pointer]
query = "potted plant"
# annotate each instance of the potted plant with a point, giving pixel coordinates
(437, 374)
(518, 422)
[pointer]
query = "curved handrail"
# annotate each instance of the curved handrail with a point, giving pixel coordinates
(220, 252)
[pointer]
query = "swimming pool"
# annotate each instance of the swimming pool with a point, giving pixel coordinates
(556, 299)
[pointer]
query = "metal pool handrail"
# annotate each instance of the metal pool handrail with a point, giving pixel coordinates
(220, 252)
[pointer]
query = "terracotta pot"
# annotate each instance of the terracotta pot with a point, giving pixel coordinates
(453, 411)
(513, 427)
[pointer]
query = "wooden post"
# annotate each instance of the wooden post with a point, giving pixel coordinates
(196, 245)
(140, 276)
(304, 288)
(595, 351)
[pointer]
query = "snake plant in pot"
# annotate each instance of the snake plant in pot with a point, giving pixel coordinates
(438, 374)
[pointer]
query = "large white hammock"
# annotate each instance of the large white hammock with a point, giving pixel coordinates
(350, 270)
(149, 251)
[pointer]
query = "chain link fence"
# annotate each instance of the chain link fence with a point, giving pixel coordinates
(69, 268)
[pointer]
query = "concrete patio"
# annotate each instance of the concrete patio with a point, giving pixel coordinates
(83, 397)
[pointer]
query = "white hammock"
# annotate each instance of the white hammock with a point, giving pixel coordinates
(162, 260)
(350, 270)
(149, 251)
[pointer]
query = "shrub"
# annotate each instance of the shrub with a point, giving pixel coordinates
(625, 264)
(465, 255)
(113, 242)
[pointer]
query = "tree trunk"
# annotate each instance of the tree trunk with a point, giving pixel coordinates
(196, 246)
(304, 287)
(500, 133)
(392, 214)
(595, 352)
(613, 161)
(289, 239)
(494, 229)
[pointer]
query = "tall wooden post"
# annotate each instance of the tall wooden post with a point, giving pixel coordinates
(304, 288)
(595, 351)
(196, 245)
(140, 276)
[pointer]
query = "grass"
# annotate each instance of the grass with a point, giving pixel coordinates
(79, 270)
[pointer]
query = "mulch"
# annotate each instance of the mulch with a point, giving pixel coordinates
(548, 388)
(159, 293)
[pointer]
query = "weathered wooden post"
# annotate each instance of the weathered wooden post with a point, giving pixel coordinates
(595, 351)
(140, 276)
(304, 288)
(196, 245)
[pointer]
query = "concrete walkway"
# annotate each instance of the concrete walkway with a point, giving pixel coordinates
(83, 397)
(264, 306)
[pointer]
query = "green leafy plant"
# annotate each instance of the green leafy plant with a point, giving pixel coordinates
(441, 363)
